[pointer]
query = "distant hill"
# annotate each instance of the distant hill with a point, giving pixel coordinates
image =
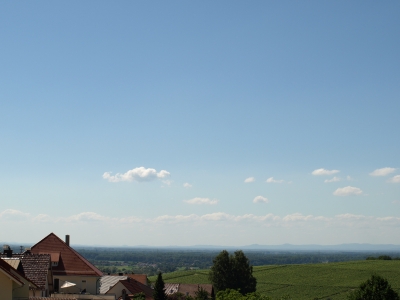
(282, 247)
(290, 247)
(340, 247)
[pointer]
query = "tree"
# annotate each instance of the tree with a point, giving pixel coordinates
(229, 294)
(179, 296)
(139, 296)
(232, 272)
(221, 272)
(375, 288)
(201, 294)
(159, 289)
(243, 279)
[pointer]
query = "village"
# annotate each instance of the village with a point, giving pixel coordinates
(52, 269)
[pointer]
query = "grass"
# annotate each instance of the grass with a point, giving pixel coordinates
(307, 281)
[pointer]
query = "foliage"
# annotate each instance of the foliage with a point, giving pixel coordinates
(232, 272)
(230, 294)
(221, 272)
(201, 294)
(381, 257)
(179, 296)
(159, 289)
(375, 288)
(139, 296)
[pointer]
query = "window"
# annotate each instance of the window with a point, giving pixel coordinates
(56, 285)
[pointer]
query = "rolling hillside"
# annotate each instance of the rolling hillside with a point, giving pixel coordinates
(308, 281)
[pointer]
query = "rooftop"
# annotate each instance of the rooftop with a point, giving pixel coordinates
(70, 262)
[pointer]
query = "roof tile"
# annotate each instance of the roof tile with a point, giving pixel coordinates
(71, 262)
(35, 267)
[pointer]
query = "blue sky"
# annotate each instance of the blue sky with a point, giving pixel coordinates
(200, 122)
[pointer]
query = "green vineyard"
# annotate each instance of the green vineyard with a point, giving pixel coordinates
(307, 281)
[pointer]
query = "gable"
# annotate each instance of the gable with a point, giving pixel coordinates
(70, 262)
(108, 281)
(13, 262)
(16, 276)
(35, 267)
(5, 269)
(131, 287)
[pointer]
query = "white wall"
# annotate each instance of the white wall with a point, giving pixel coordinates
(90, 284)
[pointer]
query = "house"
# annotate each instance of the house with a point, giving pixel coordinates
(8, 281)
(35, 267)
(188, 289)
(13, 284)
(130, 287)
(72, 273)
(108, 281)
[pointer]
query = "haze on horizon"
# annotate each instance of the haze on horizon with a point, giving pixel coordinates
(200, 123)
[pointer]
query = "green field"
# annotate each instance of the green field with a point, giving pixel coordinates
(307, 281)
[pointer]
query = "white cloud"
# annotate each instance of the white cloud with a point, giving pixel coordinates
(167, 182)
(131, 219)
(395, 179)
(221, 223)
(199, 200)
(272, 180)
(334, 179)
(348, 191)
(349, 178)
(219, 216)
(260, 199)
(13, 215)
(187, 185)
(351, 217)
(382, 172)
(42, 218)
(175, 219)
(86, 216)
(319, 172)
(250, 179)
(137, 174)
(297, 217)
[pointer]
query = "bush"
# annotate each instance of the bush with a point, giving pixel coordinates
(375, 288)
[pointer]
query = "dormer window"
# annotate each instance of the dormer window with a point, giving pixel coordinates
(54, 263)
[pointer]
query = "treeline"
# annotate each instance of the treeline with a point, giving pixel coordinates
(150, 261)
(382, 257)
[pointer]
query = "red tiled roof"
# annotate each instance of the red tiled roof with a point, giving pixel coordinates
(36, 268)
(55, 256)
(70, 263)
(134, 287)
(142, 278)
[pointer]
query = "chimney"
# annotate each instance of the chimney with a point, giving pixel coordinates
(67, 239)
(7, 250)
